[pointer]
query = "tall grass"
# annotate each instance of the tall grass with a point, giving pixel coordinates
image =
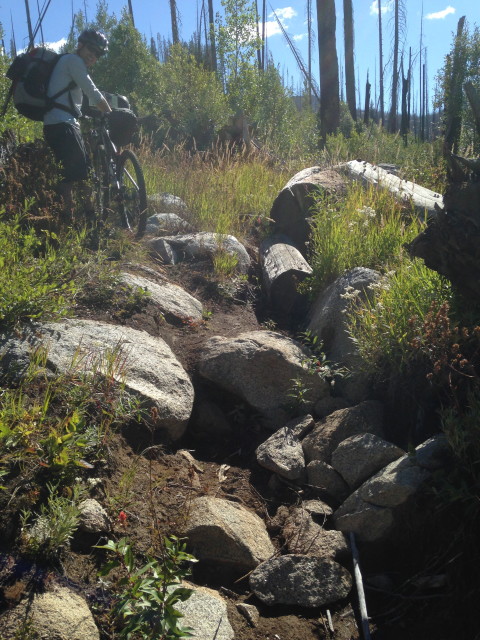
(367, 228)
(225, 192)
(386, 325)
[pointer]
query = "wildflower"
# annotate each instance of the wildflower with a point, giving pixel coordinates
(122, 518)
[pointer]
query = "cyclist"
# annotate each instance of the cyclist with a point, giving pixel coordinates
(60, 125)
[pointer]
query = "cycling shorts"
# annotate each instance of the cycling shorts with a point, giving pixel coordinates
(66, 142)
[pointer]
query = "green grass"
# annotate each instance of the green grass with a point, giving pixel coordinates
(387, 323)
(367, 228)
(225, 192)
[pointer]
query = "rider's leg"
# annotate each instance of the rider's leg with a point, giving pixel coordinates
(65, 139)
(65, 191)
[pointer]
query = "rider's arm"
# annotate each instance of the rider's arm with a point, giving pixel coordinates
(79, 74)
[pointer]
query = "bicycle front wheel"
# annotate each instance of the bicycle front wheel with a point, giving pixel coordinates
(133, 195)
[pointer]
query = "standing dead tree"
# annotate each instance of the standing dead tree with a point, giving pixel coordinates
(453, 106)
(380, 51)
(349, 58)
(329, 87)
(392, 119)
(173, 15)
(449, 244)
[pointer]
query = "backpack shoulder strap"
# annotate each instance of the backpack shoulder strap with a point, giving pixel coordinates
(51, 99)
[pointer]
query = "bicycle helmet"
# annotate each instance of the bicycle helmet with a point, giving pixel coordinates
(95, 39)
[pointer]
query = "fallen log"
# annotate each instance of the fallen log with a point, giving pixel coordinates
(423, 200)
(283, 268)
(291, 208)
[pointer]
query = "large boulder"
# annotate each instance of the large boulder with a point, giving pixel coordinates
(54, 615)
(282, 453)
(300, 580)
(305, 536)
(167, 202)
(144, 364)
(227, 533)
(326, 482)
(359, 457)
(165, 223)
(173, 302)
(321, 442)
(327, 320)
(260, 367)
(199, 246)
(369, 512)
(205, 612)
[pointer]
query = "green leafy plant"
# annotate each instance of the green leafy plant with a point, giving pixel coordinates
(145, 606)
(57, 421)
(385, 324)
(53, 528)
(35, 273)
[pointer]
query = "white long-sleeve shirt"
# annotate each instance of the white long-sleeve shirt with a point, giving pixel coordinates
(70, 67)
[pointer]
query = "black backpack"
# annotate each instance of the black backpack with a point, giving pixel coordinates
(30, 74)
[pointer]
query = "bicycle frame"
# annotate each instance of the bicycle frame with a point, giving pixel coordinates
(118, 177)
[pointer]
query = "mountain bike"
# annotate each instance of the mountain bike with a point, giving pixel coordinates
(118, 180)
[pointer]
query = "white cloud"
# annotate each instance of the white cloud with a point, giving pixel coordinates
(272, 28)
(56, 46)
(287, 13)
(386, 7)
(440, 15)
(300, 36)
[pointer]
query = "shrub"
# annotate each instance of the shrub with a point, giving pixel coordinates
(145, 606)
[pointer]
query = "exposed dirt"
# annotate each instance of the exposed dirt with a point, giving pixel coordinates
(154, 483)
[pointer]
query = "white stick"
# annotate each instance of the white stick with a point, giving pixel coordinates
(361, 594)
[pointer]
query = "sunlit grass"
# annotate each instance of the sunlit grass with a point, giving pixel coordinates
(386, 323)
(225, 192)
(367, 228)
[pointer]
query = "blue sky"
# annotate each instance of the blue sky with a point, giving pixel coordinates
(440, 19)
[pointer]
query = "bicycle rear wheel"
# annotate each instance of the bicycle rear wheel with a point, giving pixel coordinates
(133, 195)
(101, 181)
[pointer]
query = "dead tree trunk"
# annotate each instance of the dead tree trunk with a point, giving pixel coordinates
(173, 14)
(283, 268)
(453, 105)
(291, 208)
(449, 244)
(366, 113)
(380, 48)
(327, 49)
(213, 46)
(349, 63)
(424, 201)
(392, 121)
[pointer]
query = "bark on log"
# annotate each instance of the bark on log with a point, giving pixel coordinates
(290, 209)
(423, 200)
(450, 243)
(283, 268)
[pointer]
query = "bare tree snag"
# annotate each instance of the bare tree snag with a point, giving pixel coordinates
(283, 268)
(349, 58)
(291, 208)
(474, 100)
(449, 244)
(423, 200)
(327, 52)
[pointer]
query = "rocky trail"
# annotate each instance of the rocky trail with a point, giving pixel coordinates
(266, 481)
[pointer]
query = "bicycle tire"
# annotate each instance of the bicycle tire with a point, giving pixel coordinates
(133, 195)
(101, 181)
